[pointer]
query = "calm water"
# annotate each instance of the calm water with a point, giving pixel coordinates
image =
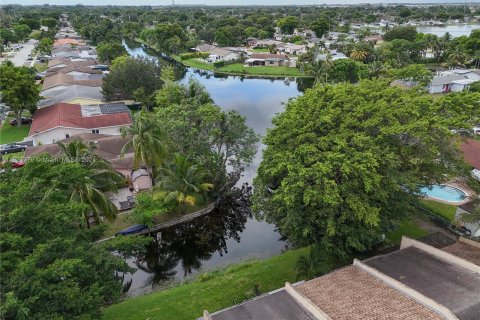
(444, 192)
(230, 234)
(456, 30)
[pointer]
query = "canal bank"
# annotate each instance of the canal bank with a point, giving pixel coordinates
(236, 69)
(230, 233)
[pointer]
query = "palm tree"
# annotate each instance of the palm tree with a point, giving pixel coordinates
(97, 201)
(182, 182)
(101, 177)
(457, 58)
(310, 266)
(145, 141)
(359, 55)
(375, 69)
(315, 69)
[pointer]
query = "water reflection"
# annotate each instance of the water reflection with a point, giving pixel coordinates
(203, 244)
(230, 233)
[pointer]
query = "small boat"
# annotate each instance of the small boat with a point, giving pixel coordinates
(132, 230)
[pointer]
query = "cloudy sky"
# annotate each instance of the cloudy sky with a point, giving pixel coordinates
(217, 2)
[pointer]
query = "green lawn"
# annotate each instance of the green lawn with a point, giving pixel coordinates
(10, 133)
(196, 63)
(408, 228)
(238, 68)
(444, 210)
(213, 291)
(267, 50)
(40, 67)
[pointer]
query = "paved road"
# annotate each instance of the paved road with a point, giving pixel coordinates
(21, 56)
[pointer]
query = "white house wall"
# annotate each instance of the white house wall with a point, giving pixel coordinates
(60, 133)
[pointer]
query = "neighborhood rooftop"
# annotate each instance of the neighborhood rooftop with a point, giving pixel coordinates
(418, 281)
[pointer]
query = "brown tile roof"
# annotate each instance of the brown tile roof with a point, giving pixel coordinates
(60, 42)
(268, 56)
(72, 67)
(70, 115)
(352, 294)
(106, 146)
(464, 251)
(60, 61)
(62, 79)
(471, 152)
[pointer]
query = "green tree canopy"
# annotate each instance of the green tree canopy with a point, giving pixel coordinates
(18, 89)
(45, 46)
(49, 22)
(50, 268)
(212, 138)
(107, 52)
(22, 31)
(406, 33)
(128, 74)
(288, 24)
(343, 163)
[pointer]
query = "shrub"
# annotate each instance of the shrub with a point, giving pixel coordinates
(218, 64)
(192, 55)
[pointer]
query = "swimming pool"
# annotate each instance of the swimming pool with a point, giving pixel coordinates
(444, 192)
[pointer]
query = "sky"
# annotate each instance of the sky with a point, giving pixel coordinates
(219, 2)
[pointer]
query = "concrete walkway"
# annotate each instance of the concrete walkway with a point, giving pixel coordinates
(21, 56)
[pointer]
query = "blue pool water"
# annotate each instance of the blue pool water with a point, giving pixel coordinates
(444, 192)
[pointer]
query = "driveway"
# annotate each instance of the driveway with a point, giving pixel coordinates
(21, 56)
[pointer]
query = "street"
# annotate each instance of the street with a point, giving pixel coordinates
(21, 56)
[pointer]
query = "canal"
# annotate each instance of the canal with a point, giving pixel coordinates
(229, 234)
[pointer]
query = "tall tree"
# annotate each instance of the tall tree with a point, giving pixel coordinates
(107, 52)
(146, 140)
(18, 89)
(128, 74)
(343, 163)
(182, 182)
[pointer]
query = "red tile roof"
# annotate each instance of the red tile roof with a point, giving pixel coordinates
(471, 152)
(70, 115)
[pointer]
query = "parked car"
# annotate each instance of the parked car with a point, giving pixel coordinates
(12, 148)
(40, 75)
(24, 121)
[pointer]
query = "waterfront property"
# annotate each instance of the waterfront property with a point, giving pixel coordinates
(109, 148)
(270, 60)
(418, 281)
(62, 120)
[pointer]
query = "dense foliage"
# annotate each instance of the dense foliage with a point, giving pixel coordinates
(50, 268)
(127, 75)
(343, 163)
(18, 89)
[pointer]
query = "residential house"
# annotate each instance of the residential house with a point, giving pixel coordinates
(205, 47)
(73, 94)
(306, 33)
(334, 55)
(417, 282)
(74, 78)
(109, 148)
(291, 48)
(449, 82)
(63, 120)
(270, 60)
(222, 54)
(252, 42)
(471, 155)
(472, 74)
(265, 43)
